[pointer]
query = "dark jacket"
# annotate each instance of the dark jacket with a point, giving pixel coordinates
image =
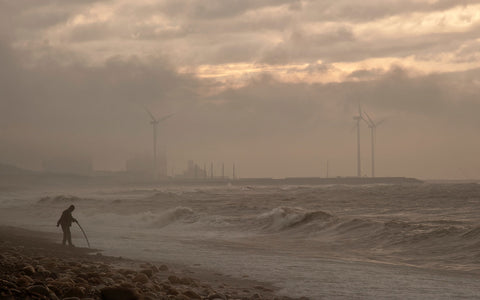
(66, 219)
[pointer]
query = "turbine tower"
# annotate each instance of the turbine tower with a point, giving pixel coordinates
(154, 121)
(358, 118)
(373, 129)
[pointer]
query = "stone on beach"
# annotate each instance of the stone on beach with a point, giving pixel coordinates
(148, 272)
(118, 293)
(163, 268)
(75, 292)
(24, 281)
(140, 277)
(174, 279)
(170, 290)
(42, 270)
(191, 294)
(216, 296)
(29, 270)
(39, 289)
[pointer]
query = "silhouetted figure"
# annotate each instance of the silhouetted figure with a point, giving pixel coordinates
(66, 221)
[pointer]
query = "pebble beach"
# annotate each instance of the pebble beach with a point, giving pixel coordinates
(33, 265)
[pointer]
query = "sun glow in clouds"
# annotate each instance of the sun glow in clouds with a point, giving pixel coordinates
(335, 72)
(393, 40)
(456, 20)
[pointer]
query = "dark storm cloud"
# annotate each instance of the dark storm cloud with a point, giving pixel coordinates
(302, 45)
(225, 23)
(342, 10)
(213, 32)
(248, 34)
(361, 11)
(218, 9)
(341, 45)
(23, 15)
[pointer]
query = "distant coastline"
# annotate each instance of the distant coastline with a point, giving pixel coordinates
(297, 181)
(12, 176)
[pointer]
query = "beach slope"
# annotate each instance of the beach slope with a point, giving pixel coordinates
(33, 266)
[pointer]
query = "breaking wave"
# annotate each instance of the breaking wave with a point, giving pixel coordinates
(174, 215)
(365, 233)
(285, 218)
(423, 224)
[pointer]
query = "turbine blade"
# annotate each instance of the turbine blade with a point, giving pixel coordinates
(150, 114)
(370, 121)
(366, 121)
(381, 122)
(165, 117)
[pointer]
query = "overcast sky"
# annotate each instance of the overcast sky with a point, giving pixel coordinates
(271, 85)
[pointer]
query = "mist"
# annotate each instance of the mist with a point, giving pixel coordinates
(65, 91)
(241, 149)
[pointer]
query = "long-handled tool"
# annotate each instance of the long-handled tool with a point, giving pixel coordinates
(84, 234)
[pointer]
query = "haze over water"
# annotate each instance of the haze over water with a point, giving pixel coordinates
(278, 88)
(415, 241)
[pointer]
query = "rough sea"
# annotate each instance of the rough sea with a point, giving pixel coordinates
(412, 241)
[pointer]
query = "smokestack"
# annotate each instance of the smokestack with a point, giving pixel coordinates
(359, 168)
(155, 165)
(211, 170)
(223, 170)
(233, 175)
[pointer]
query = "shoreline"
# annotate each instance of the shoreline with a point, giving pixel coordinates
(33, 265)
(24, 179)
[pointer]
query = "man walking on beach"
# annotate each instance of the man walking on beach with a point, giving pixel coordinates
(66, 221)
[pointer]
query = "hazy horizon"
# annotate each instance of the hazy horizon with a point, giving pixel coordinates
(271, 86)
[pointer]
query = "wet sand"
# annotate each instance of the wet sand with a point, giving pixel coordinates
(33, 265)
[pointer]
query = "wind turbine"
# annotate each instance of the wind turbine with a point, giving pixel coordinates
(373, 128)
(154, 121)
(358, 118)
